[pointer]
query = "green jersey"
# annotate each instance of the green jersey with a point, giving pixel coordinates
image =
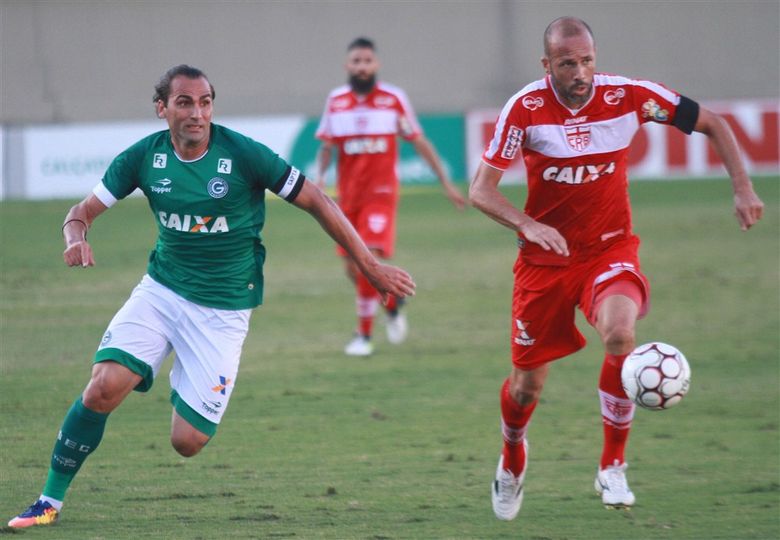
(209, 212)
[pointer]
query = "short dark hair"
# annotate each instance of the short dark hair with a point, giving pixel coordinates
(361, 43)
(568, 27)
(162, 90)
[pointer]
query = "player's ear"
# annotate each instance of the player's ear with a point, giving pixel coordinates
(160, 108)
(546, 64)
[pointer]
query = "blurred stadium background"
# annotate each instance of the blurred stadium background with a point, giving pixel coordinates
(77, 76)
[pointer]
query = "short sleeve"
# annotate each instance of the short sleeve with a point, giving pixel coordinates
(324, 131)
(121, 178)
(408, 125)
(274, 174)
(507, 137)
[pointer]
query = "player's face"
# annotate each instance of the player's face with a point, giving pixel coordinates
(362, 66)
(571, 64)
(188, 112)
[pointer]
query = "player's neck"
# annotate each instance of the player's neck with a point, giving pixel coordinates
(190, 152)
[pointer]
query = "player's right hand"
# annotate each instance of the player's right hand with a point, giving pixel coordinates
(79, 254)
(547, 237)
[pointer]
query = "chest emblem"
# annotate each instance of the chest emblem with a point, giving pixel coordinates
(217, 187)
(578, 137)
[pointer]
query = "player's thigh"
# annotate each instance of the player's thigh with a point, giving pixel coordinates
(208, 347)
(543, 309)
(138, 336)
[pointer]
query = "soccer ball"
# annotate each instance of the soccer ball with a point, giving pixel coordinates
(656, 376)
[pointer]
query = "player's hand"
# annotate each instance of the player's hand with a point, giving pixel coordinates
(455, 196)
(748, 208)
(391, 280)
(79, 254)
(547, 237)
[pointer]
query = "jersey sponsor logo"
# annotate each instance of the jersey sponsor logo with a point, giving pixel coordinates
(614, 97)
(581, 174)
(522, 337)
(159, 161)
(532, 103)
(341, 103)
(224, 166)
(575, 121)
(578, 137)
(217, 187)
(514, 136)
(194, 224)
(162, 185)
(653, 111)
(365, 145)
(384, 101)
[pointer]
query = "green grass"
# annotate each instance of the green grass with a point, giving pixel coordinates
(403, 445)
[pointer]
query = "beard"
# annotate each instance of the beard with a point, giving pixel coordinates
(362, 85)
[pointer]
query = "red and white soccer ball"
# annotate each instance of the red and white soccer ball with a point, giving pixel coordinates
(656, 376)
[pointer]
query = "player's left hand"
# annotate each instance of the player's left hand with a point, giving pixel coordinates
(455, 196)
(748, 208)
(391, 280)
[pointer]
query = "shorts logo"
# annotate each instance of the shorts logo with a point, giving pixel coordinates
(514, 137)
(224, 166)
(522, 337)
(222, 386)
(160, 161)
(613, 97)
(578, 137)
(217, 188)
(106, 338)
(377, 223)
(653, 111)
(532, 103)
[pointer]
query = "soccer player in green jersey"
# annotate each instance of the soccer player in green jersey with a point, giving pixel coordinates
(206, 188)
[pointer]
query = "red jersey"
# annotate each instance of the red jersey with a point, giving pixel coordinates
(576, 160)
(364, 129)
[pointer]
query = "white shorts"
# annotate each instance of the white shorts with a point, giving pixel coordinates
(207, 343)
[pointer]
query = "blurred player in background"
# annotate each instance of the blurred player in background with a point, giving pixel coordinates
(577, 248)
(206, 187)
(361, 122)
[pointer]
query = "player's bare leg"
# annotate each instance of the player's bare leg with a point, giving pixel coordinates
(185, 439)
(519, 396)
(616, 321)
(80, 434)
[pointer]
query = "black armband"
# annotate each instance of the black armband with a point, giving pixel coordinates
(686, 116)
(289, 184)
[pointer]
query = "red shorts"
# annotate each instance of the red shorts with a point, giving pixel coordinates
(375, 224)
(545, 297)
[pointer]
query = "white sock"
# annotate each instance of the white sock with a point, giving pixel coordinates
(54, 502)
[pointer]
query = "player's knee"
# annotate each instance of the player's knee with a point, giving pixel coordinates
(619, 339)
(526, 392)
(100, 396)
(188, 446)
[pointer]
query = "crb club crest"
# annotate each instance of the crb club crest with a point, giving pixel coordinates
(532, 103)
(578, 137)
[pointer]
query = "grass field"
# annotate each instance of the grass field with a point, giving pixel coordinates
(403, 445)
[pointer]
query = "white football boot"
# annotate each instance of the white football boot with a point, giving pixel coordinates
(507, 489)
(612, 485)
(359, 346)
(397, 328)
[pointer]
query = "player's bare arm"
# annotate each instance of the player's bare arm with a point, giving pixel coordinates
(426, 150)
(77, 222)
(324, 157)
(748, 207)
(387, 279)
(485, 196)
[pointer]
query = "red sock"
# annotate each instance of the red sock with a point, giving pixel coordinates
(514, 423)
(392, 305)
(367, 304)
(617, 411)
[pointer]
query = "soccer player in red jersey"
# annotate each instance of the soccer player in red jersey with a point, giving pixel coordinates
(361, 122)
(577, 248)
